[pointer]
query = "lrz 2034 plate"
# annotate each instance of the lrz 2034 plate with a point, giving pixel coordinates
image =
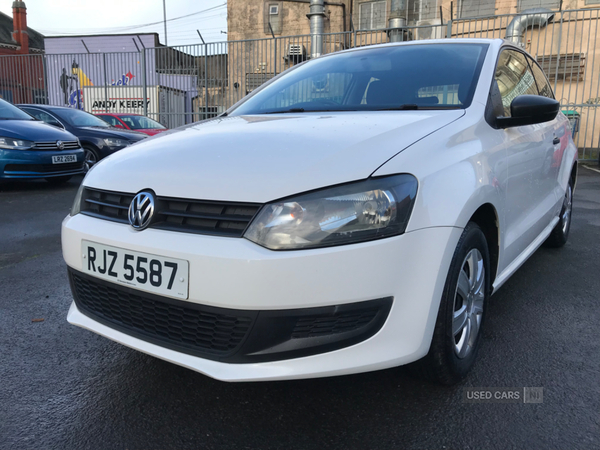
(61, 159)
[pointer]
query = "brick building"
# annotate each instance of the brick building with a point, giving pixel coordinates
(23, 74)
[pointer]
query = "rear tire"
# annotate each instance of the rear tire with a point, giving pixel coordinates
(559, 235)
(58, 180)
(457, 334)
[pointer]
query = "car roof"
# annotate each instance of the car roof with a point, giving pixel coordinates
(491, 42)
(48, 107)
(117, 114)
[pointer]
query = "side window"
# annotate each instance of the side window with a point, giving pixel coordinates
(540, 79)
(128, 122)
(41, 115)
(110, 120)
(514, 78)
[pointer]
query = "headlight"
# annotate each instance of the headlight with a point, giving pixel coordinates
(15, 144)
(114, 142)
(76, 208)
(356, 212)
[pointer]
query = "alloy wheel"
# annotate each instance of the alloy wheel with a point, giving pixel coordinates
(90, 159)
(468, 303)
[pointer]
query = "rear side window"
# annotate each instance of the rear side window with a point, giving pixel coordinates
(514, 78)
(541, 80)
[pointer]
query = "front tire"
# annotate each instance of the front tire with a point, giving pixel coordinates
(457, 333)
(90, 157)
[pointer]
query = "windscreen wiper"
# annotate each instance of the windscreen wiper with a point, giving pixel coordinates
(284, 111)
(405, 107)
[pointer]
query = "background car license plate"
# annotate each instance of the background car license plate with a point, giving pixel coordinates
(61, 159)
(150, 273)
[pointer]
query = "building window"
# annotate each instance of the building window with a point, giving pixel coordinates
(477, 8)
(273, 17)
(524, 5)
(372, 15)
(592, 2)
(565, 66)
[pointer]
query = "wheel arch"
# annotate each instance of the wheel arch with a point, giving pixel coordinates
(486, 217)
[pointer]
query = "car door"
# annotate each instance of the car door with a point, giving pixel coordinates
(559, 128)
(530, 199)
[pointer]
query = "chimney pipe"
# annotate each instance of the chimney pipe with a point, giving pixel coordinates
(20, 26)
(316, 15)
(515, 30)
(397, 20)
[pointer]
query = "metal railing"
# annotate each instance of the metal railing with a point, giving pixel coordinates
(184, 84)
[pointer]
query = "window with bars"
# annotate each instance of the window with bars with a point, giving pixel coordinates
(565, 66)
(477, 8)
(372, 15)
(524, 5)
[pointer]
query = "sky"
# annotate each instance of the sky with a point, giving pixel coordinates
(75, 17)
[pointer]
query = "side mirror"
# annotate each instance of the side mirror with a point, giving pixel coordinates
(529, 110)
(55, 123)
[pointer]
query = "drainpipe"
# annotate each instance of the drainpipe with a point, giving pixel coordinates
(535, 17)
(316, 16)
(397, 21)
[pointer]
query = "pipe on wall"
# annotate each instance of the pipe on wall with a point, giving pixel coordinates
(397, 20)
(533, 17)
(316, 16)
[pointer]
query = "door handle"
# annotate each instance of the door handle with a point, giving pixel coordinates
(556, 141)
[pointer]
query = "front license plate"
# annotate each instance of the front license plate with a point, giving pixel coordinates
(143, 271)
(61, 159)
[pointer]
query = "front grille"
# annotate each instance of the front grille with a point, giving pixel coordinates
(340, 323)
(183, 326)
(228, 335)
(44, 168)
(106, 205)
(51, 145)
(175, 214)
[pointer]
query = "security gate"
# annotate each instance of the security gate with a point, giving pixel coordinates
(184, 84)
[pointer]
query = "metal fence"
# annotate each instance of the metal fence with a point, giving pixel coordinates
(184, 84)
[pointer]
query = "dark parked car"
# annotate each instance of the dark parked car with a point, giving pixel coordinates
(31, 149)
(97, 137)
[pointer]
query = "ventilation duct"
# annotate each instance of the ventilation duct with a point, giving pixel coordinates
(316, 16)
(397, 21)
(535, 17)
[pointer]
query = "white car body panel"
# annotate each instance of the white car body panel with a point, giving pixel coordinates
(259, 159)
(459, 160)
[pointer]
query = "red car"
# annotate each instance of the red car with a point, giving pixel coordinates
(135, 122)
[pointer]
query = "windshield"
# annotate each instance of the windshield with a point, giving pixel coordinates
(141, 123)
(424, 76)
(77, 118)
(11, 112)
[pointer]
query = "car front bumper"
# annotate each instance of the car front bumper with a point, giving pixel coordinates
(234, 273)
(32, 164)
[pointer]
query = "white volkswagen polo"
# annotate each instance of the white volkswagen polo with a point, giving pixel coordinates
(355, 213)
